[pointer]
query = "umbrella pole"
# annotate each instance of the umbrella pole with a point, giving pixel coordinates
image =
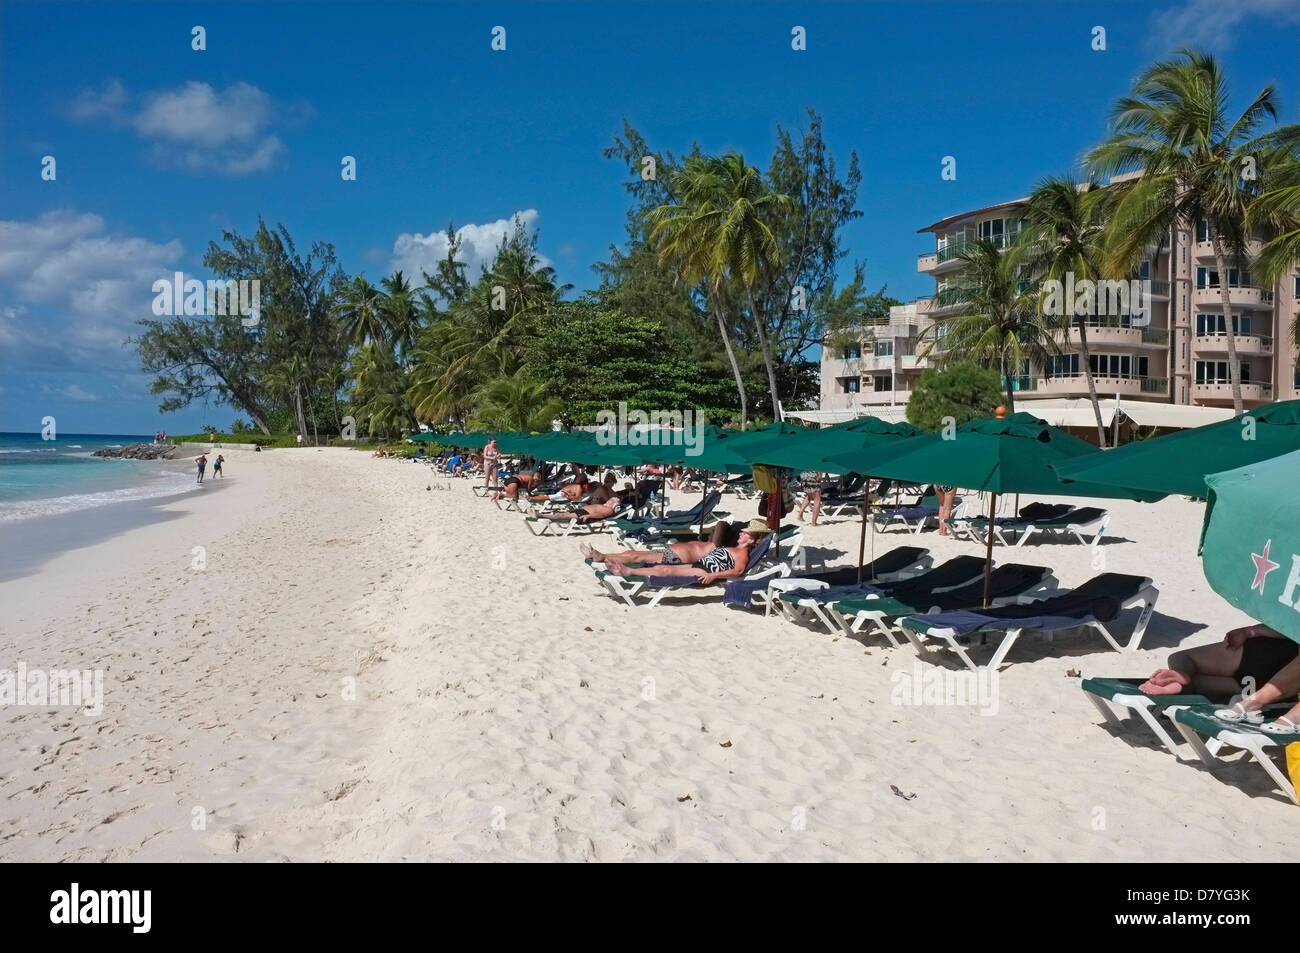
(862, 534)
(988, 548)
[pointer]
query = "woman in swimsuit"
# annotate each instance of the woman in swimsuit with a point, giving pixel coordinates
(698, 558)
(590, 512)
(510, 489)
(491, 464)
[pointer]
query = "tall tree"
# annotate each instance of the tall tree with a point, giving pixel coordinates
(1064, 225)
(1197, 164)
(998, 323)
(218, 356)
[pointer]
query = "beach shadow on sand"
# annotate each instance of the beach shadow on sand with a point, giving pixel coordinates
(31, 543)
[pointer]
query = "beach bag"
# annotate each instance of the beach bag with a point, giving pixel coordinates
(1293, 763)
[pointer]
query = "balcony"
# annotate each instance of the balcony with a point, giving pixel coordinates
(1221, 391)
(1103, 332)
(863, 399)
(1158, 337)
(1107, 385)
(1205, 249)
(1240, 297)
(926, 261)
(1160, 289)
(1246, 343)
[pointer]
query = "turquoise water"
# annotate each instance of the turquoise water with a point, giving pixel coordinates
(46, 477)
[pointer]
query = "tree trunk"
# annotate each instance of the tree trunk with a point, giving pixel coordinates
(1234, 366)
(1011, 400)
(297, 409)
(767, 353)
(735, 367)
(1092, 386)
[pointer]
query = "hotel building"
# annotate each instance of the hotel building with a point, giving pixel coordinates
(1179, 357)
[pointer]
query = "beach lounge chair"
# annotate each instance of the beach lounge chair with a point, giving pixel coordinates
(953, 574)
(1094, 604)
(974, 525)
(880, 613)
(640, 532)
(1077, 523)
(896, 564)
(657, 587)
(1114, 697)
(1196, 720)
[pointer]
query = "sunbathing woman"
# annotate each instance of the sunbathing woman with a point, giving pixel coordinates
(696, 558)
(1247, 658)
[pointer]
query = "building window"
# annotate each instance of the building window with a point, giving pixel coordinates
(1144, 270)
(1143, 367)
(884, 349)
(852, 352)
(1202, 231)
(882, 384)
(1216, 372)
(991, 231)
(850, 385)
(1297, 287)
(1065, 365)
(1212, 325)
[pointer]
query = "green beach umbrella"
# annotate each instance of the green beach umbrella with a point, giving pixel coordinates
(809, 449)
(1179, 462)
(993, 455)
(1250, 543)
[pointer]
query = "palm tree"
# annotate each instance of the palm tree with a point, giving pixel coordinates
(399, 314)
(287, 378)
(332, 379)
(359, 310)
(484, 334)
(1193, 159)
(1277, 213)
(719, 229)
(1063, 229)
(517, 403)
(998, 324)
(379, 390)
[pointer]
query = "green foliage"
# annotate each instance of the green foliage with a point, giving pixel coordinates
(961, 391)
(266, 441)
(239, 426)
(592, 359)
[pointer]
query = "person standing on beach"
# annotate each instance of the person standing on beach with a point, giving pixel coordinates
(491, 464)
(202, 461)
(216, 466)
(300, 441)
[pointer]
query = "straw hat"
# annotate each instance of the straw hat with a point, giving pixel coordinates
(756, 528)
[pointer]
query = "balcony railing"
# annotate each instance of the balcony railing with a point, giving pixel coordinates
(1160, 288)
(1155, 336)
(1149, 385)
(1154, 385)
(953, 249)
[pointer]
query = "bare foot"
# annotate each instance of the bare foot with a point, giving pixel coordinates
(586, 550)
(1169, 676)
(1161, 688)
(617, 569)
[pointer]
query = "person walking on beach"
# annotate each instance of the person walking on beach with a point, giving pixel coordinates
(216, 466)
(202, 461)
(491, 464)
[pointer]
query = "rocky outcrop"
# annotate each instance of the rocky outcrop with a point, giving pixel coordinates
(141, 451)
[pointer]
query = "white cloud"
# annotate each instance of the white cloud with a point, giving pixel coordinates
(195, 127)
(89, 287)
(1211, 24)
(73, 392)
(415, 253)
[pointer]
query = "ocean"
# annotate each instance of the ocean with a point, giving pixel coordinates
(48, 477)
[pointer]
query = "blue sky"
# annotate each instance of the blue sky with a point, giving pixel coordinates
(159, 147)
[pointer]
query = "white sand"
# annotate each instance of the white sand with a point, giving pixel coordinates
(506, 708)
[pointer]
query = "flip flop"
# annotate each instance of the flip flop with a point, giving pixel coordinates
(1236, 715)
(1283, 726)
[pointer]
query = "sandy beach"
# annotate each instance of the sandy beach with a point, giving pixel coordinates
(374, 664)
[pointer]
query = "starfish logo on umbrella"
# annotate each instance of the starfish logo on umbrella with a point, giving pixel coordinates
(1263, 566)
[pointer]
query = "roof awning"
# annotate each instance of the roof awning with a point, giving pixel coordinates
(824, 418)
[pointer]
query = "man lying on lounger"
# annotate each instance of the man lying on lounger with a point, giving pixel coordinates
(572, 491)
(510, 489)
(702, 559)
(593, 512)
